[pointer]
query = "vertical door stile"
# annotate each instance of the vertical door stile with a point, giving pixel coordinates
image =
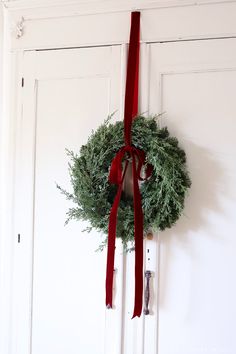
(124, 58)
(114, 322)
(15, 114)
(124, 53)
(151, 247)
(24, 211)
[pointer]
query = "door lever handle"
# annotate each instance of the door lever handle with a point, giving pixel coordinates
(148, 275)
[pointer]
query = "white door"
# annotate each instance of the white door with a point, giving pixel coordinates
(194, 83)
(67, 93)
(58, 274)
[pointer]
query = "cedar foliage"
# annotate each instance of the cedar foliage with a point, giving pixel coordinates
(163, 193)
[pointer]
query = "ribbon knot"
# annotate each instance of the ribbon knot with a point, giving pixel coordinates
(133, 154)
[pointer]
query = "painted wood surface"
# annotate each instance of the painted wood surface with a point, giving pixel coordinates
(191, 78)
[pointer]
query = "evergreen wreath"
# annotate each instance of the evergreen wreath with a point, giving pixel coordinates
(162, 194)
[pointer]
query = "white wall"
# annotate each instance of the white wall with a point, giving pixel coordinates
(4, 264)
(1, 50)
(1, 170)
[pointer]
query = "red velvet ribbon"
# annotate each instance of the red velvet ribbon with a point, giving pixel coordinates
(117, 174)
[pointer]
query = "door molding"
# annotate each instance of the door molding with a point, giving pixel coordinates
(75, 24)
(91, 6)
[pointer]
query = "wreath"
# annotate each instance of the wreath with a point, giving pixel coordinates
(163, 194)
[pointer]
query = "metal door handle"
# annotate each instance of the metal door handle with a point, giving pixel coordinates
(148, 275)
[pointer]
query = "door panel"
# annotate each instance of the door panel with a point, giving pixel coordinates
(68, 299)
(67, 93)
(194, 84)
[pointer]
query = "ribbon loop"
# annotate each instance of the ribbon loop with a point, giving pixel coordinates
(132, 79)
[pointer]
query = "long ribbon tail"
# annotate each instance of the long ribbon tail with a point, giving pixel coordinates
(138, 238)
(111, 242)
(132, 79)
(131, 110)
